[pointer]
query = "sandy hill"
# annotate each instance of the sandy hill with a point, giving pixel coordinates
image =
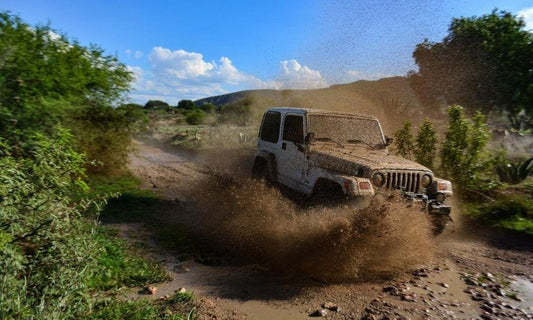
(389, 99)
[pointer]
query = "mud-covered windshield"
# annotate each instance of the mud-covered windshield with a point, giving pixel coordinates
(342, 129)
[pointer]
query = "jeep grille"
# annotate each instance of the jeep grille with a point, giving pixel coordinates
(408, 181)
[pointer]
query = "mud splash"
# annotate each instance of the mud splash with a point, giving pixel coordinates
(251, 220)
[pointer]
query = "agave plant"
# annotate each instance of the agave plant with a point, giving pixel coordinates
(514, 172)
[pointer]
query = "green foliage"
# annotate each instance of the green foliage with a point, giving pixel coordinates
(43, 75)
(512, 172)
(186, 296)
(425, 149)
(463, 156)
(139, 310)
(186, 105)
(195, 116)
(47, 254)
(509, 212)
(118, 267)
(52, 256)
(46, 80)
(404, 141)
(104, 133)
(483, 63)
(208, 107)
(156, 105)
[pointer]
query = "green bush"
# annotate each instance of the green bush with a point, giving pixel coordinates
(514, 172)
(44, 77)
(404, 141)
(118, 267)
(47, 80)
(463, 155)
(208, 107)
(195, 116)
(425, 149)
(47, 253)
(510, 212)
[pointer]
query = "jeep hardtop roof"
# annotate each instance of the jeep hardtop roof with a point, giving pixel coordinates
(321, 112)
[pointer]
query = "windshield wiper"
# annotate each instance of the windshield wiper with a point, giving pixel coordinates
(329, 139)
(363, 142)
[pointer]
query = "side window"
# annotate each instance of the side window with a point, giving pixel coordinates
(293, 129)
(270, 127)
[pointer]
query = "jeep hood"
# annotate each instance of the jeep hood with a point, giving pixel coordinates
(353, 158)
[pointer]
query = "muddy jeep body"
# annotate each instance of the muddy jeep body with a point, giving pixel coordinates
(311, 151)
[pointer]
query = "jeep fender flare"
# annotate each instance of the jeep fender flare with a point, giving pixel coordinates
(349, 185)
(270, 160)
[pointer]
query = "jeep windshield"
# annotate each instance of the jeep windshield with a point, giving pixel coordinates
(342, 129)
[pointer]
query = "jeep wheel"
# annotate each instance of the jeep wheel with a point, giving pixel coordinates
(260, 171)
(327, 192)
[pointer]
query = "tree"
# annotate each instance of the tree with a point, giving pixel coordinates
(426, 144)
(404, 141)
(463, 149)
(156, 105)
(484, 63)
(47, 80)
(43, 75)
(186, 105)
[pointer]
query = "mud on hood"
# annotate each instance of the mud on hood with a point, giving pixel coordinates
(352, 158)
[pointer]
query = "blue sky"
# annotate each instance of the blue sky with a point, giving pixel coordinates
(193, 49)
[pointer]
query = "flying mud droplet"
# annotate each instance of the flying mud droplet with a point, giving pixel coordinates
(249, 219)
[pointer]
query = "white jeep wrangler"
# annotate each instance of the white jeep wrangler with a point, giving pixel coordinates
(311, 151)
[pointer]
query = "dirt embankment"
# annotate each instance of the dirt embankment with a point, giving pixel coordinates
(363, 262)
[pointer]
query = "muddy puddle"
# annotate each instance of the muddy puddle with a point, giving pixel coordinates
(243, 290)
(524, 287)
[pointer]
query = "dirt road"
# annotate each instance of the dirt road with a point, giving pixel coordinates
(475, 274)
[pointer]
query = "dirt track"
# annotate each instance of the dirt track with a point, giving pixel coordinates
(468, 278)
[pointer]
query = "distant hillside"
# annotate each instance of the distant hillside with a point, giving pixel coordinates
(389, 99)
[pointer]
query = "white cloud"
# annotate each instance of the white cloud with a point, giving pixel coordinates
(179, 74)
(295, 76)
(173, 75)
(527, 15)
(137, 54)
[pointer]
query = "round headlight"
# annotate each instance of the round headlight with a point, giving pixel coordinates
(440, 197)
(426, 180)
(378, 179)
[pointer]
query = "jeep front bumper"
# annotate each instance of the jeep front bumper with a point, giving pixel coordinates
(432, 206)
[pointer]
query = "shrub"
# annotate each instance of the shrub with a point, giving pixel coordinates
(404, 141)
(186, 105)
(425, 149)
(103, 134)
(47, 254)
(512, 172)
(195, 116)
(208, 107)
(463, 157)
(509, 212)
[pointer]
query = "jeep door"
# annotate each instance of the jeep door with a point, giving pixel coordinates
(292, 157)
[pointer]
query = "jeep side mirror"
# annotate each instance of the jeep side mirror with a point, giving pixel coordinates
(388, 141)
(309, 137)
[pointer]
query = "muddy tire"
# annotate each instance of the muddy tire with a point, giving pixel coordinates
(327, 193)
(260, 171)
